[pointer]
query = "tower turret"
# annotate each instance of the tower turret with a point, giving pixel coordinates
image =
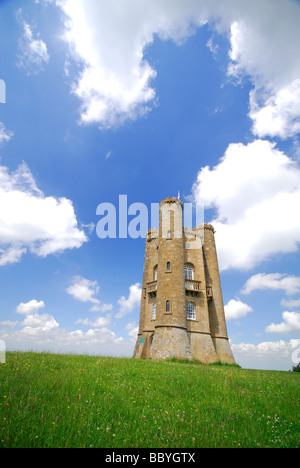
(170, 337)
(215, 304)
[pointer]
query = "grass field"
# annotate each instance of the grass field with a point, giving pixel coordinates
(78, 401)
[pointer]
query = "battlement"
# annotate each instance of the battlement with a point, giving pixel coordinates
(152, 234)
(200, 228)
(171, 200)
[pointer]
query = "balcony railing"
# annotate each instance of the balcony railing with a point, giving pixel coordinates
(193, 285)
(190, 285)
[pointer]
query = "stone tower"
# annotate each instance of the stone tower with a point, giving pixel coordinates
(182, 312)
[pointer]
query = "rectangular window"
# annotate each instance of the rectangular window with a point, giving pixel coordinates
(190, 311)
(188, 272)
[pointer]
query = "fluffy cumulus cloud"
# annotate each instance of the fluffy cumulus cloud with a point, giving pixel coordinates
(133, 300)
(279, 116)
(279, 355)
(85, 290)
(42, 333)
(264, 38)
(29, 221)
(273, 281)
(255, 190)
(34, 322)
(116, 81)
(109, 39)
(290, 324)
(5, 135)
(33, 51)
(236, 309)
(30, 308)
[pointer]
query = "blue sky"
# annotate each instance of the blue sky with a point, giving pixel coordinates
(144, 99)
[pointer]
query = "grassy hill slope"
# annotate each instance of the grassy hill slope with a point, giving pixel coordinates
(78, 401)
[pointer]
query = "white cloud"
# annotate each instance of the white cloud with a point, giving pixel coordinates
(290, 303)
(30, 308)
(290, 324)
(42, 333)
(274, 70)
(11, 255)
(31, 221)
(280, 114)
(274, 281)
(266, 355)
(255, 190)
(133, 330)
(33, 52)
(8, 324)
(97, 323)
(101, 307)
(35, 323)
(84, 290)
(109, 38)
(236, 309)
(134, 299)
(5, 135)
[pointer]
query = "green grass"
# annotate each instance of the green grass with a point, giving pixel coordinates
(78, 401)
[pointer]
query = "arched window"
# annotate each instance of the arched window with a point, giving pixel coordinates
(189, 272)
(168, 306)
(154, 311)
(168, 266)
(155, 273)
(190, 311)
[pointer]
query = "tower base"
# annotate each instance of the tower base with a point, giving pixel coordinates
(223, 350)
(169, 342)
(202, 348)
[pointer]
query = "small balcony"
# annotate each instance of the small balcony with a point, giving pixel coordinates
(193, 285)
(190, 285)
(152, 287)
